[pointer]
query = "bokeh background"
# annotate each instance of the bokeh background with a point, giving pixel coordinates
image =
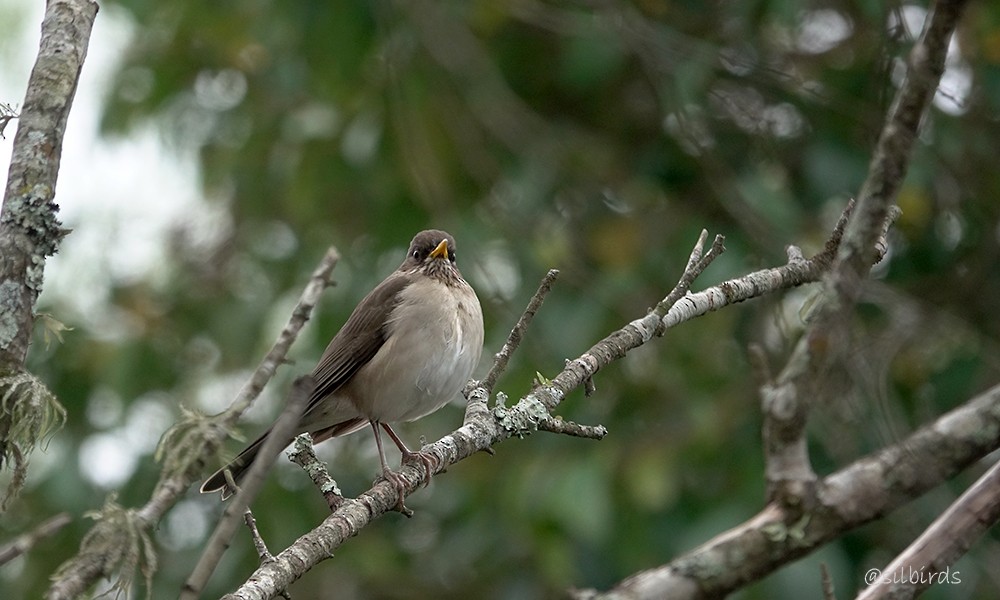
(216, 149)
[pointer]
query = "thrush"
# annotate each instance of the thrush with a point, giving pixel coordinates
(407, 349)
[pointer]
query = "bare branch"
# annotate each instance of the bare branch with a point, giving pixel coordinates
(275, 441)
(24, 543)
(633, 335)
(786, 401)
(318, 281)
(517, 333)
(696, 264)
(927, 560)
(891, 157)
(83, 570)
(827, 582)
(258, 540)
(559, 425)
(864, 491)
(740, 289)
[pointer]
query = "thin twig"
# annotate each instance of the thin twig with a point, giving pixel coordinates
(827, 582)
(633, 335)
(882, 243)
(696, 265)
(517, 333)
(559, 425)
(304, 455)
(263, 553)
(253, 481)
(25, 542)
(318, 281)
(833, 242)
(258, 540)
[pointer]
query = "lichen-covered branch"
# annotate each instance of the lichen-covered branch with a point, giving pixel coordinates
(485, 426)
(30, 230)
(184, 451)
(927, 560)
(864, 491)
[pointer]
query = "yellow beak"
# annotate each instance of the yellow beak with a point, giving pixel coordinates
(441, 251)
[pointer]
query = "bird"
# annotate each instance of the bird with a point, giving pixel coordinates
(407, 349)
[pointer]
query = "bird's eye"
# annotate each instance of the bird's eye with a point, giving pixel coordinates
(416, 254)
(451, 255)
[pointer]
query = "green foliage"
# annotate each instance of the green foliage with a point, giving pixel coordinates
(599, 140)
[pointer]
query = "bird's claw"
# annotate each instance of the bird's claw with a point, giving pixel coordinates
(398, 482)
(428, 461)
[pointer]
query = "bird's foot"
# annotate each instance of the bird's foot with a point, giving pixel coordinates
(398, 482)
(428, 461)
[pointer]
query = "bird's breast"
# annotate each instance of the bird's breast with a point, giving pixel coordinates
(433, 343)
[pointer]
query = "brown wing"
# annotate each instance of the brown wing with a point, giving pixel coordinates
(358, 340)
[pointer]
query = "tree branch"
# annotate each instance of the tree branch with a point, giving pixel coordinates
(927, 560)
(864, 491)
(24, 543)
(284, 428)
(800, 519)
(785, 402)
(514, 339)
(29, 228)
(30, 231)
(304, 455)
(190, 445)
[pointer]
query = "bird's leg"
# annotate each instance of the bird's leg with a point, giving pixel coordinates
(388, 474)
(429, 461)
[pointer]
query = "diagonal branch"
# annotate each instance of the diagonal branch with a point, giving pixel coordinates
(785, 401)
(25, 542)
(928, 559)
(484, 426)
(514, 339)
(866, 490)
(205, 437)
(30, 230)
(284, 427)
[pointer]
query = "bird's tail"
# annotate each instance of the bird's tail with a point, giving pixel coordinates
(238, 467)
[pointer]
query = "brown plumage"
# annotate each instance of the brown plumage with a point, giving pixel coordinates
(406, 350)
